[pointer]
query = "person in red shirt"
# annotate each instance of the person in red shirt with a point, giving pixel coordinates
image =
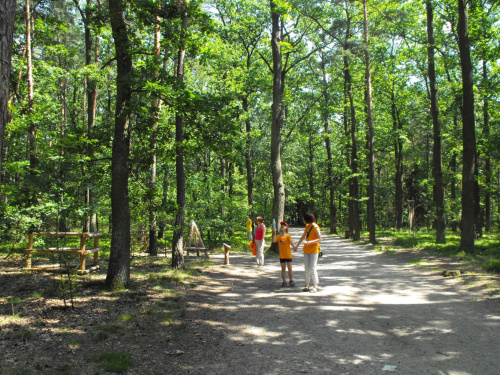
(260, 233)
(285, 244)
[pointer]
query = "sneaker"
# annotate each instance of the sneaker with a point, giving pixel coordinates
(314, 290)
(292, 284)
(283, 284)
(305, 289)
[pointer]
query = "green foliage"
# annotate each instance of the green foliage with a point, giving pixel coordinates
(493, 265)
(227, 88)
(487, 255)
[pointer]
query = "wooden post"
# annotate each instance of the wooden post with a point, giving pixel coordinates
(196, 244)
(30, 247)
(96, 254)
(83, 240)
(226, 253)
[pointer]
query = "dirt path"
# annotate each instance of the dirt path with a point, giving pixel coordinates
(374, 314)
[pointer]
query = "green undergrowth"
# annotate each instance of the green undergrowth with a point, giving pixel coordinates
(486, 252)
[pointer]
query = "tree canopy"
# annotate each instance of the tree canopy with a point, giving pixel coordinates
(271, 101)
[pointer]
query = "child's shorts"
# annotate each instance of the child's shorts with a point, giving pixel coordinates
(285, 260)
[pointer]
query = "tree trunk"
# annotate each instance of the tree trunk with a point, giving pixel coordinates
(310, 172)
(487, 164)
(7, 18)
(370, 137)
(31, 128)
(277, 117)
(177, 243)
(248, 157)
(350, 112)
(397, 127)
(331, 181)
(91, 110)
(119, 259)
(468, 130)
(90, 103)
(155, 109)
(438, 188)
(354, 220)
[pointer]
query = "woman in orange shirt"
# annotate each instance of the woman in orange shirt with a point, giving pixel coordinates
(285, 244)
(312, 235)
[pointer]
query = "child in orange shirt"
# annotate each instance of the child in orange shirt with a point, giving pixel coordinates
(285, 243)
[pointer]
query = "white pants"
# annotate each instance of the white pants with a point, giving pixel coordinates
(310, 261)
(259, 245)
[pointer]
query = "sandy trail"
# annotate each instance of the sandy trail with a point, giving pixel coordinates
(374, 314)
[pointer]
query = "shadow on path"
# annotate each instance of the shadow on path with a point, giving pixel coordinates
(373, 314)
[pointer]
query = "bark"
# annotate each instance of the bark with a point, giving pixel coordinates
(155, 109)
(248, 129)
(487, 163)
(7, 18)
(331, 181)
(397, 127)
(177, 243)
(118, 274)
(350, 113)
(29, 67)
(89, 104)
(438, 188)
(468, 130)
(310, 172)
(354, 220)
(248, 157)
(370, 137)
(277, 117)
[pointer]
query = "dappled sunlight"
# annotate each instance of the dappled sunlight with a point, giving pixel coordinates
(246, 333)
(370, 311)
(361, 332)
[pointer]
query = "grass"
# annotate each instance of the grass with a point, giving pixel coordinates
(115, 361)
(486, 255)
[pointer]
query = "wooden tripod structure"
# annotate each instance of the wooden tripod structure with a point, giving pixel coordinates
(194, 242)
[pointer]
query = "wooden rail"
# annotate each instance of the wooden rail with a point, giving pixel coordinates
(83, 250)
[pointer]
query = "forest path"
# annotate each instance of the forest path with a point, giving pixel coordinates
(374, 314)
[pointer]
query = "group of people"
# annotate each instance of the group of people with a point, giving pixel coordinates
(311, 238)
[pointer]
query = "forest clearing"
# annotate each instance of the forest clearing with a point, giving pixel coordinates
(374, 310)
(122, 122)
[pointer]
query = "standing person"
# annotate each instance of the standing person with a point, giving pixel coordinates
(248, 224)
(285, 240)
(312, 235)
(260, 233)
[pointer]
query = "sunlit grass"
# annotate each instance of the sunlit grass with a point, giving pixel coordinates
(126, 317)
(486, 255)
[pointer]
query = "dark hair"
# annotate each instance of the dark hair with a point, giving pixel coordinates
(309, 218)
